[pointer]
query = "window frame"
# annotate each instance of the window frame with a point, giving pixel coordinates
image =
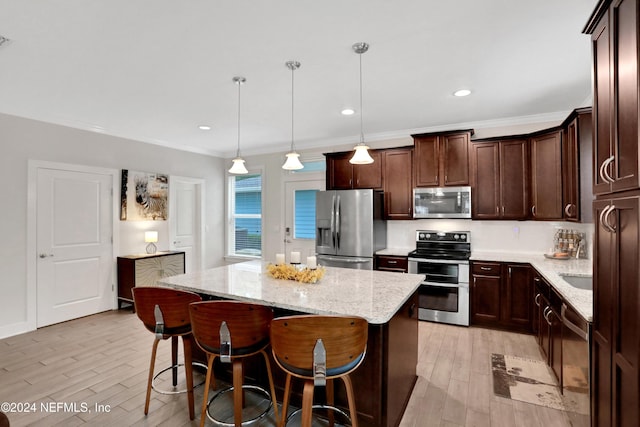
(232, 216)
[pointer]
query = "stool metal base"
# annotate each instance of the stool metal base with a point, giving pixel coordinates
(332, 408)
(158, 390)
(260, 390)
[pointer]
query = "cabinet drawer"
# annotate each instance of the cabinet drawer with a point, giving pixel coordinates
(486, 268)
(392, 263)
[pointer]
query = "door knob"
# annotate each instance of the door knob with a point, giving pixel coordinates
(45, 255)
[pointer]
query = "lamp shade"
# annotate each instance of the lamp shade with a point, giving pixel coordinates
(238, 167)
(361, 156)
(150, 236)
(293, 162)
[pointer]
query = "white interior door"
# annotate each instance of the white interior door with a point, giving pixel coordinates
(185, 220)
(74, 229)
(299, 231)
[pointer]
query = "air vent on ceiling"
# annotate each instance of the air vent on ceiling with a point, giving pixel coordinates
(4, 40)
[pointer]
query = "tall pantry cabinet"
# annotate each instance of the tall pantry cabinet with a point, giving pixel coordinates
(615, 344)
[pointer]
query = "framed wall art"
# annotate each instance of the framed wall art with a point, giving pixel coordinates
(144, 196)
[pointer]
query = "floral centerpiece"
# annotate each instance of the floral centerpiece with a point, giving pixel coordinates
(292, 272)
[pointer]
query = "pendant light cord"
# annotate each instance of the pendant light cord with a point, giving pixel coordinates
(292, 88)
(239, 83)
(361, 112)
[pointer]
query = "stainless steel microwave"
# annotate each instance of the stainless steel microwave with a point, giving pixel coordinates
(443, 202)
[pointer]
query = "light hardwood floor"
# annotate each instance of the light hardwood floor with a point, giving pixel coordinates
(103, 360)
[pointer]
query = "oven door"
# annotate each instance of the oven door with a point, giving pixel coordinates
(443, 296)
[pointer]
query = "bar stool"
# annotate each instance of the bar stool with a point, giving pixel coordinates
(165, 312)
(232, 331)
(318, 349)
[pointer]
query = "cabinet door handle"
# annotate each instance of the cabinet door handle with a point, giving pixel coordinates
(605, 169)
(567, 209)
(485, 268)
(545, 314)
(392, 262)
(604, 218)
(503, 211)
(533, 210)
(537, 300)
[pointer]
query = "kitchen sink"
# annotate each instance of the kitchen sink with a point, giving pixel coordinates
(579, 282)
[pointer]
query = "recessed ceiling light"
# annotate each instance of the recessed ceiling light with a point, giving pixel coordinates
(462, 92)
(204, 127)
(347, 112)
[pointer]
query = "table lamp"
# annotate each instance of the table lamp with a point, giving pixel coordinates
(151, 237)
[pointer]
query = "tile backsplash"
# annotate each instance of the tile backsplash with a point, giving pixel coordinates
(490, 236)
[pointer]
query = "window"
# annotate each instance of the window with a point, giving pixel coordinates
(245, 225)
(305, 214)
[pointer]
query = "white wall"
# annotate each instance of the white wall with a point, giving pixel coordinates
(22, 140)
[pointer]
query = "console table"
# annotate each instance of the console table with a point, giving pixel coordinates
(146, 270)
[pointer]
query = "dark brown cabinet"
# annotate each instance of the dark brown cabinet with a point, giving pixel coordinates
(442, 160)
(616, 294)
(398, 188)
(398, 264)
(548, 328)
(615, 344)
(501, 295)
(342, 175)
(576, 166)
(546, 175)
(499, 179)
(615, 45)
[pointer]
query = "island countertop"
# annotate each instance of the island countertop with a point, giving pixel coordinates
(373, 295)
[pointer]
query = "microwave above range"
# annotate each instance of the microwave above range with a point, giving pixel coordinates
(442, 202)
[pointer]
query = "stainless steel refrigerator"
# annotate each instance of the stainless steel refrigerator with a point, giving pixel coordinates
(349, 228)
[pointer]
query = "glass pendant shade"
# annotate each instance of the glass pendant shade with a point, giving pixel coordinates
(238, 167)
(361, 156)
(293, 162)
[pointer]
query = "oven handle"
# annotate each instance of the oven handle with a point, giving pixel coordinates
(439, 261)
(446, 285)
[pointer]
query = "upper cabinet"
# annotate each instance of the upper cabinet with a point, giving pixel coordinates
(342, 175)
(577, 166)
(614, 39)
(499, 179)
(397, 177)
(441, 160)
(546, 175)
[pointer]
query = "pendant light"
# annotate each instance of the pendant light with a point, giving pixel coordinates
(293, 161)
(361, 156)
(238, 167)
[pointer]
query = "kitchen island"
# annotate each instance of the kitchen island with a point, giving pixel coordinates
(388, 301)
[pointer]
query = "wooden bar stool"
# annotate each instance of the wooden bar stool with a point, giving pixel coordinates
(232, 331)
(165, 312)
(318, 349)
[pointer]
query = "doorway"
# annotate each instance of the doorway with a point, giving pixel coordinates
(186, 216)
(300, 220)
(71, 245)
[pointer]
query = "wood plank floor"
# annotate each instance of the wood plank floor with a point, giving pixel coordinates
(100, 363)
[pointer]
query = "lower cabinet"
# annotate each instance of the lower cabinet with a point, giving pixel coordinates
(548, 305)
(501, 295)
(399, 264)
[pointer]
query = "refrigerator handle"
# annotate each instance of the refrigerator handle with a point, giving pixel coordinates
(333, 223)
(338, 223)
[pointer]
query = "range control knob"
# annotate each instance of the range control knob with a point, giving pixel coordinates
(456, 236)
(428, 236)
(463, 236)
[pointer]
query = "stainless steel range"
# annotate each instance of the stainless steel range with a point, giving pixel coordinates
(443, 258)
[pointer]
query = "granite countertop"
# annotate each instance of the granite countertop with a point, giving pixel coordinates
(374, 295)
(552, 270)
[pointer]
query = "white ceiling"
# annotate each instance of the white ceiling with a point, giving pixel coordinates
(153, 70)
